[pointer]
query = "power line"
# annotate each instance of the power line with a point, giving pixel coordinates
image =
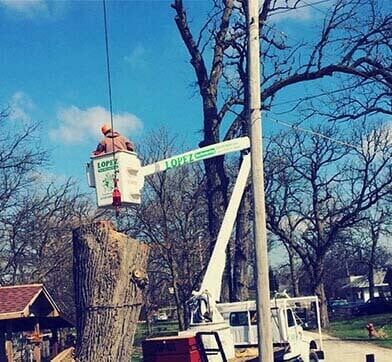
(321, 94)
(284, 11)
(116, 192)
(108, 63)
(315, 133)
(315, 7)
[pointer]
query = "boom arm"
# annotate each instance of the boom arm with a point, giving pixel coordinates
(199, 154)
(212, 281)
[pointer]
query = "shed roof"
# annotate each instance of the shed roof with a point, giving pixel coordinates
(25, 304)
(16, 298)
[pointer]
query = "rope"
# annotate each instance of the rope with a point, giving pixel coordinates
(94, 308)
(110, 95)
(108, 69)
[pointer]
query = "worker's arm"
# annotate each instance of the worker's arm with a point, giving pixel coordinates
(100, 149)
(130, 146)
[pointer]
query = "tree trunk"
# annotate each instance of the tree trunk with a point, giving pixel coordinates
(227, 291)
(242, 250)
(109, 274)
(3, 354)
(372, 262)
(371, 280)
(180, 309)
(293, 272)
(217, 184)
(320, 292)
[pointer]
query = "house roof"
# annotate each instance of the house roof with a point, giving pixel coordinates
(361, 281)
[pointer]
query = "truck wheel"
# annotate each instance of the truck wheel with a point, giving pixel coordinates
(313, 357)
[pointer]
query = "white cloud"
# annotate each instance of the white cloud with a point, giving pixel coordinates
(76, 124)
(137, 56)
(28, 8)
(21, 105)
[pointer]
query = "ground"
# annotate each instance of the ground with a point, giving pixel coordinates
(337, 350)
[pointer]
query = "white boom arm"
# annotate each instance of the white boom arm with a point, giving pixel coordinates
(212, 281)
(199, 154)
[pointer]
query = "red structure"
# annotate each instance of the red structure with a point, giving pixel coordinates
(171, 349)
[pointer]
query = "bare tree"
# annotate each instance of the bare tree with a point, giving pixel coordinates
(353, 45)
(37, 215)
(331, 187)
(21, 156)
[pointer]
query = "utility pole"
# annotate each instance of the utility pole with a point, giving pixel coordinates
(264, 326)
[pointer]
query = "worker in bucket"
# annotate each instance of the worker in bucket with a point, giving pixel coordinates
(113, 141)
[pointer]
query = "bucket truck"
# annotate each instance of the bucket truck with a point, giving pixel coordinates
(213, 332)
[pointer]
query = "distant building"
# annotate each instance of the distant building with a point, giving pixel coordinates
(356, 287)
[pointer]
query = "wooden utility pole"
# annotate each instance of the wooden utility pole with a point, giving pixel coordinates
(109, 274)
(264, 325)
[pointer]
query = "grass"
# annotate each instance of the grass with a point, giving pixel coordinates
(159, 329)
(355, 329)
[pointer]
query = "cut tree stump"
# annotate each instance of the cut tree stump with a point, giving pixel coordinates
(109, 273)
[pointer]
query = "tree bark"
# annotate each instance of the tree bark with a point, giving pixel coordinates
(242, 250)
(371, 280)
(3, 354)
(320, 292)
(109, 274)
(372, 260)
(293, 272)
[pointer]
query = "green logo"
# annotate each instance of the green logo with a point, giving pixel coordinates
(107, 165)
(108, 183)
(205, 153)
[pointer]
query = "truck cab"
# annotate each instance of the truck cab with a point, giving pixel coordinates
(289, 341)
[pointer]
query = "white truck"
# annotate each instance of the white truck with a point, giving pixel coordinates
(220, 328)
(290, 341)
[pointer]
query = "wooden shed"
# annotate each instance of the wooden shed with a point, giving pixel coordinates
(28, 308)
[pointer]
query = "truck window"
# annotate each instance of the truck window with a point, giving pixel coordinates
(290, 318)
(239, 319)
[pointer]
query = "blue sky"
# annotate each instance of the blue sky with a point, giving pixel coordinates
(54, 70)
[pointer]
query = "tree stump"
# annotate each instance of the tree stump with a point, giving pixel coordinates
(109, 274)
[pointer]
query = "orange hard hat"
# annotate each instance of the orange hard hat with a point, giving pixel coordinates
(105, 128)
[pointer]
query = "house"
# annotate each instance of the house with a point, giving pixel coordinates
(29, 309)
(356, 287)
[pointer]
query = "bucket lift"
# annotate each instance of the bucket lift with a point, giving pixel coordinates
(125, 167)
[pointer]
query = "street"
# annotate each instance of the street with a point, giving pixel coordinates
(337, 350)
